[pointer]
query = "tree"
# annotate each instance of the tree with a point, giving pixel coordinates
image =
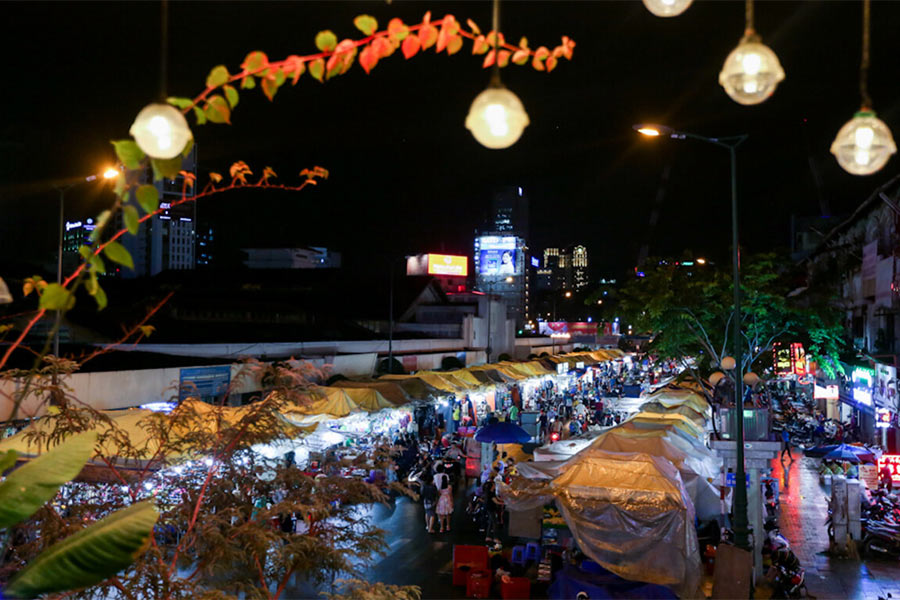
(689, 312)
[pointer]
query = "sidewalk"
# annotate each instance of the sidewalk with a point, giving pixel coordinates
(804, 508)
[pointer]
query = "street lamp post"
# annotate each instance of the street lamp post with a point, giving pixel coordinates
(730, 143)
(109, 173)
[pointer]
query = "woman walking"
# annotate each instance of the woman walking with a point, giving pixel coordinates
(445, 501)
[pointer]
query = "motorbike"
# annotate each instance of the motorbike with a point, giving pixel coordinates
(881, 540)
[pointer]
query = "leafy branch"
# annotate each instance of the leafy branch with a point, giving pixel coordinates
(336, 57)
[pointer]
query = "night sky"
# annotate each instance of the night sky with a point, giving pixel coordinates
(406, 176)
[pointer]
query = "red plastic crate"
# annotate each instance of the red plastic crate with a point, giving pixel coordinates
(478, 584)
(517, 588)
(472, 558)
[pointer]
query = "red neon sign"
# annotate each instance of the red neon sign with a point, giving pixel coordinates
(892, 461)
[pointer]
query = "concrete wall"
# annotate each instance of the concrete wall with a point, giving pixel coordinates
(108, 390)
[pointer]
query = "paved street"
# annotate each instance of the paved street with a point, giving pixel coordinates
(804, 508)
(414, 556)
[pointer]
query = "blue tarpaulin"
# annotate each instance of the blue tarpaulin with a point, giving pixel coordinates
(600, 584)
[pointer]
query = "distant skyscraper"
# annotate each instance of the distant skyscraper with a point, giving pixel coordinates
(578, 268)
(509, 212)
(167, 241)
(206, 243)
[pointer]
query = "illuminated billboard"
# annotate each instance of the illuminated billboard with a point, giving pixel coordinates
(885, 389)
(498, 256)
(863, 379)
(447, 264)
(790, 360)
(892, 462)
(826, 392)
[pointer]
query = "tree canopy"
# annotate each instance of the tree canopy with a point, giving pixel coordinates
(688, 310)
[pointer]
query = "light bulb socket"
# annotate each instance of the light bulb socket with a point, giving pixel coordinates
(495, 82)
(864, 112)
(750, 36)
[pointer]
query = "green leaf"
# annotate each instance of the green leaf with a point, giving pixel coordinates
(97, 263)
(279, 76)
(217, 110)
(199, 115)
(56, 297)
(99, 296)
(148, 197)
(90, 556)
(181, 103)
(27, 488)
(231, 95)
(7, 460)
(86, 252)
(165, 168)
(317, 69)
(121, 184)
(131, 218)
(218, 76)
(100, 224)
(255, 60)
(128, 152)
(116, 252)
(270, 88)
(366, 23)
(248, 83)
(326, 40)
(187, 148)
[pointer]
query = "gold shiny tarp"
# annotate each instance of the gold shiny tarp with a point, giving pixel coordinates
(629, 512)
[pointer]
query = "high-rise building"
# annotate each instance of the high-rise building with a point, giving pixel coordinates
(577, 268)
(206, 243)
(509, 212)
(313, 257)
(168, 240)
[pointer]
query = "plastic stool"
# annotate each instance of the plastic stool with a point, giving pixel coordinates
(518, 555)
(516, 588)
(533, 551)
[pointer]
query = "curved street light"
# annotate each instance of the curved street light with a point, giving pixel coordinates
(730, 143)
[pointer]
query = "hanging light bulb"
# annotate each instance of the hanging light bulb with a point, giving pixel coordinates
(497, 118)
(161, 131)
(667, 8)
(728, 363)
(752, 71)
(715, 378)
(864, 144)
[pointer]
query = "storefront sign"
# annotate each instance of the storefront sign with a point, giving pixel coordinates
(882, 417)
(731, 479)
(826, 392)
(562, 368)
(208, 383)
(892, 461)
(790, 360)
(885, 391)
(863, 379)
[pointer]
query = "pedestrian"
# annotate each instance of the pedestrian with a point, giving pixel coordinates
(887, 479)
(514, 414)
(445, 500)
(786, 440)
(456, 416)
(429, 500)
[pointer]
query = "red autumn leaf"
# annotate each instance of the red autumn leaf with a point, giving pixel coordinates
(333, 63)
(397, 30)
(427, 19)
(551, 63)
(381, 47)
(293, 65)
(503, 58)
(488, 60)
(492, 42)
(479, 46)
(269, 87)
(368, 58)
(473, 26)
(520, 57)
(541, 53)
(443, 38)
(410, 46)
(451, 23)
(428, 35)
(454, 44)
(537, 64)
(557, 52)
